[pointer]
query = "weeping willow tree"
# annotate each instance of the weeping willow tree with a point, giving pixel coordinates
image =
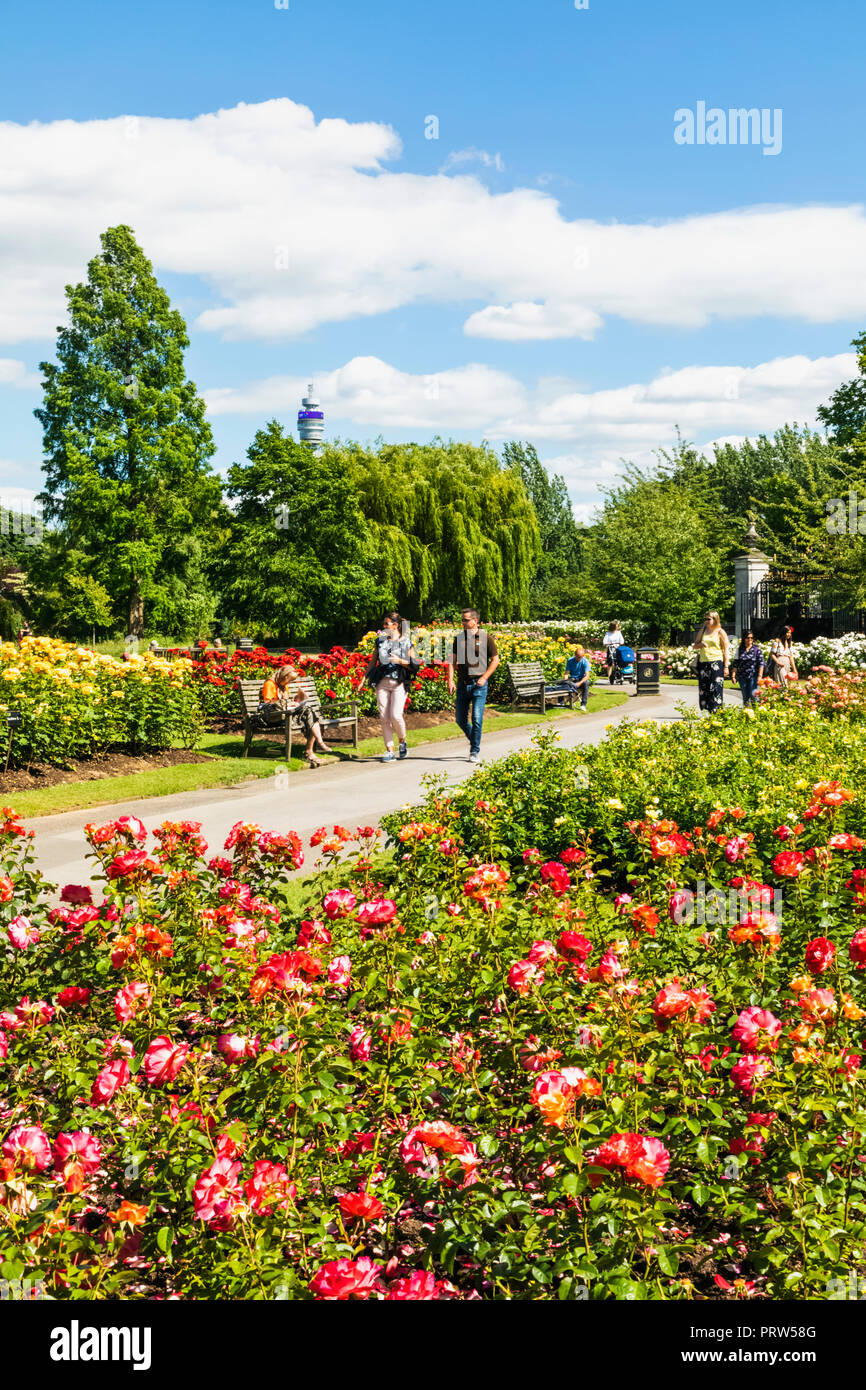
(452, 526)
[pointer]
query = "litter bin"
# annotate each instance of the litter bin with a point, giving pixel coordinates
(648, 669)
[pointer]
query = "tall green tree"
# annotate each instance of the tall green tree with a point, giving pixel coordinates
(300, 560)
(452, 524)
(655, 555)
(560, 535)
(845, 412)
(127, 444)
(733, 483)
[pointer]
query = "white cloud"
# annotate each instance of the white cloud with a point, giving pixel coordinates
(15, 476)
(19, 499)
(701, 400)
(368, 391)
(527, 320)
(15, 374)
(715, 403)
(294, 223)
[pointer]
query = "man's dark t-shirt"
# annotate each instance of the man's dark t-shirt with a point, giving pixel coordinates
(472, 653)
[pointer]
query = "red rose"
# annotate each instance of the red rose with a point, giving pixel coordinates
(788, 863)
(820, 955)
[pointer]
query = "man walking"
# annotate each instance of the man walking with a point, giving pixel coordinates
(475, 658)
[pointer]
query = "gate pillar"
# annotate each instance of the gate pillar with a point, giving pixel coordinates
(750, 567)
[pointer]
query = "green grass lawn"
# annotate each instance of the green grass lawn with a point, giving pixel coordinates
(228, 766)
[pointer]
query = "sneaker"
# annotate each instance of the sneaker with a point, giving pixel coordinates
(582, 709)
(404, 751)
(475, 757)
(387, 758)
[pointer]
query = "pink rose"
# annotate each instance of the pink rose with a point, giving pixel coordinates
(377, 912)
(76, 1156)
(27, 1146)
(112, 1078)
(129, 1000)
(236, 1048)
(163, 1060)
(339, 903)
(340, 971)
(360, 1043)
(22, 933)
(757, 1030)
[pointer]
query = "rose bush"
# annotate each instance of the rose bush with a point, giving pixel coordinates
(75, 703)
(338, 674)
(480, 1068)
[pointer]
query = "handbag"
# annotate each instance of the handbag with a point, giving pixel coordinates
(693, 665)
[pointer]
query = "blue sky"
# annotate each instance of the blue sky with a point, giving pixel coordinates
(553, 265)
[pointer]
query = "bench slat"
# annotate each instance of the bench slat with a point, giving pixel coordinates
(528, 683)
(255, 725)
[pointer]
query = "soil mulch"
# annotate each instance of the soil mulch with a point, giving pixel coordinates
(39, 775)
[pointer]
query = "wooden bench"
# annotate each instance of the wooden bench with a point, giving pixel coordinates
(528, 686)
(332, 724)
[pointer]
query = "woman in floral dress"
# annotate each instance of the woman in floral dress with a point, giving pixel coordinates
(711, 645)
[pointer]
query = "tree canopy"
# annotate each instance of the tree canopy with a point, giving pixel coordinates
(127, 444)
(300, 559)
(559, 557)
(453, 526)
(654, 555)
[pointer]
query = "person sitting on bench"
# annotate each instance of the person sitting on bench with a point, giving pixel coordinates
(279, 697)
(577, 676)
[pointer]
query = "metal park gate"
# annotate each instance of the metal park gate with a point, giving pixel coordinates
(806, 602)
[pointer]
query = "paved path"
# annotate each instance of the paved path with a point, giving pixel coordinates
(342, 793)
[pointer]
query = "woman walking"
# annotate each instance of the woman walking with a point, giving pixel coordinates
(389, 673)
(749, 668)
(281, 695)
(782, 666)
(711, 645)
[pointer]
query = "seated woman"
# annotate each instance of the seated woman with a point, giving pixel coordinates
(281, 695)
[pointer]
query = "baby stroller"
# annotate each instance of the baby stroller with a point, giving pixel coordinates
(622, 665)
